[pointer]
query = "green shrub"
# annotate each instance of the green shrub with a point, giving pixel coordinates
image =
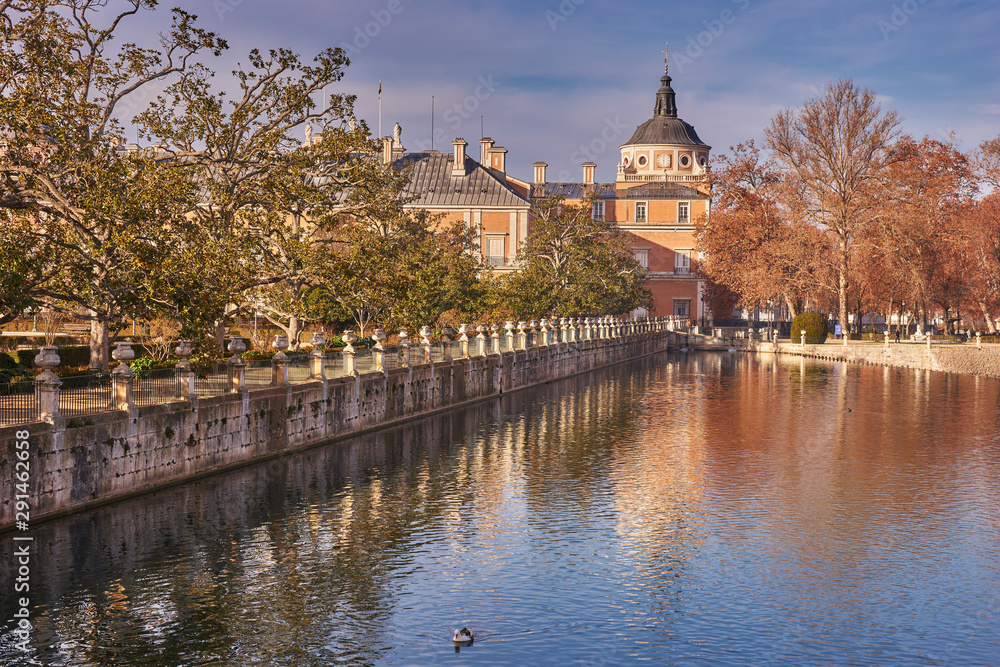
(814, 325)
(7, 362)
(74, 355)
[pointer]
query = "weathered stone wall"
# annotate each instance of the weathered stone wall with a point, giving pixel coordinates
(963, 358)
(121, 453)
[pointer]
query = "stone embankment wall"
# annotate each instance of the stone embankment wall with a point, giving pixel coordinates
(140, 449)
(949, 358)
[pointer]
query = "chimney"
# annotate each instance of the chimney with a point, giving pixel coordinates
(387, 150)
(458, 166)
(540, 172)
(588, 173)
(498, 161)
(485, 144)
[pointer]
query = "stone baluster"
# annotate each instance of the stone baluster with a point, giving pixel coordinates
(481, 339)
(425, 343)
(802, 335)
(446, 333)
(533, 332)
(522, 335)
(495, 338)
(317, 358)
(404, 347)
(574, 330)
(508, 328)
(279, 362)
(378, 350)
(237, 365)
(886, 334)
(463, 338)
(122, 375)
(349, 354)
(545, 332)
(47, 384)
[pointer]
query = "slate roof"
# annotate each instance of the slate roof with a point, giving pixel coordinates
(666, 130)
(661, 190)
(573, 190)
(432, 184)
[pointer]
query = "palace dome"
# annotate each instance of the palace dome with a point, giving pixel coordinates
(665, 128)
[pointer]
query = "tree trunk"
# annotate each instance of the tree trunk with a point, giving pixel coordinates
(294, 330)
(986, 316)
(842, 286)
(99, 358)
(220, 336)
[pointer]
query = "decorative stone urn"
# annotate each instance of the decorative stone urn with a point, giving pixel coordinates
(237, 346)
(349, 340)
(47, 358)
(317, 340)
(183, 352)
(123, 354)
(280, 343)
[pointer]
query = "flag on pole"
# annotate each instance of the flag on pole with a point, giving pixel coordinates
(380, 90)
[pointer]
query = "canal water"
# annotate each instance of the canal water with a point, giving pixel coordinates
(711, 509)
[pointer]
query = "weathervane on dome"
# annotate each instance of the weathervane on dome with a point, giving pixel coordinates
(666, 55)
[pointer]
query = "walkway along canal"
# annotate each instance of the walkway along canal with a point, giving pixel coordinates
(136, 449)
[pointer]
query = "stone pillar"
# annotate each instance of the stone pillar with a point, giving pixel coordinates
(508, 328)
(237, 365)
(929, 336)
(495, 338)
(317, 358)
(378, 350)
(425, 343)
(522, 335)
(545, 332)
(349, 353)
(183, 376)
(47, 384)
(446, 333)
(532, 333)
(979, 339)
(122, 376)
(481, 340)
(279, 362)
(802, 335)
(886, 334)
(463, 337)
(404, 347)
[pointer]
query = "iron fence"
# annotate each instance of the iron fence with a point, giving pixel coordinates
(18, 402)
(154, 386)
(83, 395)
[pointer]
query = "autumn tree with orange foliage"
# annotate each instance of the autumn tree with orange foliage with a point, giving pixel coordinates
(756, 245)
(837, 146)
(924, 189)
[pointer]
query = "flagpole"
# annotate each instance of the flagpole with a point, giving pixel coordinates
(380, 110)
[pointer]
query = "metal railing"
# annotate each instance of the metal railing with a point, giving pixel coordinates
(84, 395)
(17, 402)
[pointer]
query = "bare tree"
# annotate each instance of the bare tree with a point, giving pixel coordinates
(837, 145)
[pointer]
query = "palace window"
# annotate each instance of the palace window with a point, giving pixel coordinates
(682, 262)
(495, 250)
(597, 212)
(682, 307)
(640, 211)
(642, 256)
(683, 212)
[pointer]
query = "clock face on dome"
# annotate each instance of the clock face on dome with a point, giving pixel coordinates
(663, 161)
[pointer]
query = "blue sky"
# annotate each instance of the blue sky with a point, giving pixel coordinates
(564, 81)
